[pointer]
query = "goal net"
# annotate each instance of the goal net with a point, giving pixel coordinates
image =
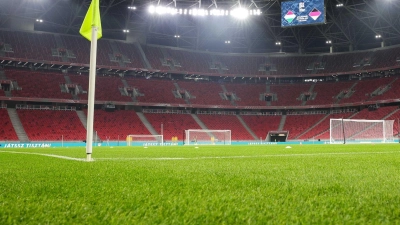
(207, 137)
(344, 131)
(132, 140)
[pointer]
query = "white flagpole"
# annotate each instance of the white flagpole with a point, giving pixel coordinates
(92, 81)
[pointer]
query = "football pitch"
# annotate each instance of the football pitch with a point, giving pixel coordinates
(272, 184)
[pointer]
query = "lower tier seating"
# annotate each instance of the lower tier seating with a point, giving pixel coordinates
(51, 125)
(7, 132)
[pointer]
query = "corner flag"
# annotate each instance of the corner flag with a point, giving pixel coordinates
(92, 18)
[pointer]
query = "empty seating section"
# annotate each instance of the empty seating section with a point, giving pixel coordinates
(290, 65)
(288, 93)
(241, 65)
(378, 114)
(7, 132)
(192, 61)
(106, 88)
(2, 92)
(131, 52)
(261, 124)
(154, 90)
(34, 46)
(391, 93)
(297, 124)
(154, 56)
(249, 94)
(37, 84)
(364, 88)
(326, 92)
(319, 131)
(79, 46)
(385, 58)
(103, 51)
(49, 125)
(117, 125)
(173, 124)
(226, 122)
(205, 93)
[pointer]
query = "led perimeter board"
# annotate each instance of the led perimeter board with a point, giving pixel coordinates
(302, 12)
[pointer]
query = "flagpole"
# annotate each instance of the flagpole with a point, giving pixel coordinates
(92, 81)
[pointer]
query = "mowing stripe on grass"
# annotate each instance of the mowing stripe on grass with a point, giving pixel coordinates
(203, 157)
(48, 155)
(248, 156)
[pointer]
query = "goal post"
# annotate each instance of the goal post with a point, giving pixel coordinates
(344, 131)
(134, 139)
(207, 137)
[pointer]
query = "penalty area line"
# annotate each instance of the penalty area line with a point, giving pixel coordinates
(47, 155)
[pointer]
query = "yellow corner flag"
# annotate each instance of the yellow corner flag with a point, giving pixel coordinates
(92, 18)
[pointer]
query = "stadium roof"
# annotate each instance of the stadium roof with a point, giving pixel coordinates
(356, 23)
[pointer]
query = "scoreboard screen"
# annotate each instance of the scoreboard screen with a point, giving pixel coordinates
(302, 12)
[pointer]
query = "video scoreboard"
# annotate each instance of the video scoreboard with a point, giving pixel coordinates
(302, 12)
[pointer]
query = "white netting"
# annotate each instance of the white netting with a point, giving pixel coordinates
(207, 137)
(144, 139)
(359, 131)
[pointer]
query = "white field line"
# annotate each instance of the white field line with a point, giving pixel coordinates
(203, 157)
(48, 155)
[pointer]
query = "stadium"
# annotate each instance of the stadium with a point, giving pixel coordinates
(204, 112)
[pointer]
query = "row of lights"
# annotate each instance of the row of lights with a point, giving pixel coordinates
(339, 5)
(239, 12)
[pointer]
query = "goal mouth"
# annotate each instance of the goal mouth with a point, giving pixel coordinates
(207, 137)
(139, 140)
(357, 131)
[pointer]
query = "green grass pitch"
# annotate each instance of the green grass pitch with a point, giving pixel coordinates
(307, 184)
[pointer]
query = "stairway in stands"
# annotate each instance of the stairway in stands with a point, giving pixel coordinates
(16, 122)
(83, 119)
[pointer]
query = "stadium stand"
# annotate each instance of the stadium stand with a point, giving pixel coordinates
(52, 125)
(204, 93)
(37, 84)
(226, 122)
(261, 124)
(7, 132)
(106, 87)
(117, 125)
(297, 124)
(288, 94)
(249, 94)
(327, 91)
(173, 124)
(130, 51)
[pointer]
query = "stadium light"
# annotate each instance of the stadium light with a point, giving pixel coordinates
(177, 36)
(339, 5)
(240, 13)
(39, 20)
(132, 7)
(278, 43)
(328, 42)
(227, 42)
(378, 36)
(125, 31)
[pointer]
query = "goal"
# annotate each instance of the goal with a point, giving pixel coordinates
(133, 139)
(207, 137)
(344, 131)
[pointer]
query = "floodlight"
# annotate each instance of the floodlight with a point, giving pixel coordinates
(278, 43)
(132, 7)
(240, 13)
(152, 9)
(227, 42)
(328, 42)
(125, 31)
(378, 36)
(39, 20)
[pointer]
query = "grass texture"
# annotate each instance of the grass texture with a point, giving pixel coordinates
(307, 184)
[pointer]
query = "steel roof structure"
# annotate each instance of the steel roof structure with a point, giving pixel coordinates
(353, 26)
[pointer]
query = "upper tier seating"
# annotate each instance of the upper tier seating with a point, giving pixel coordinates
(117, 125)
(173, 124)
(327, 91)
(52, 125)
(364, 88)
(7, 132)
(261, 124)
(155, 90)
(37, 84)
(192, 62)
(288, 93)
(226, 122)
(206, 93)
(106, 88)
(130, 51)
(249, 94)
